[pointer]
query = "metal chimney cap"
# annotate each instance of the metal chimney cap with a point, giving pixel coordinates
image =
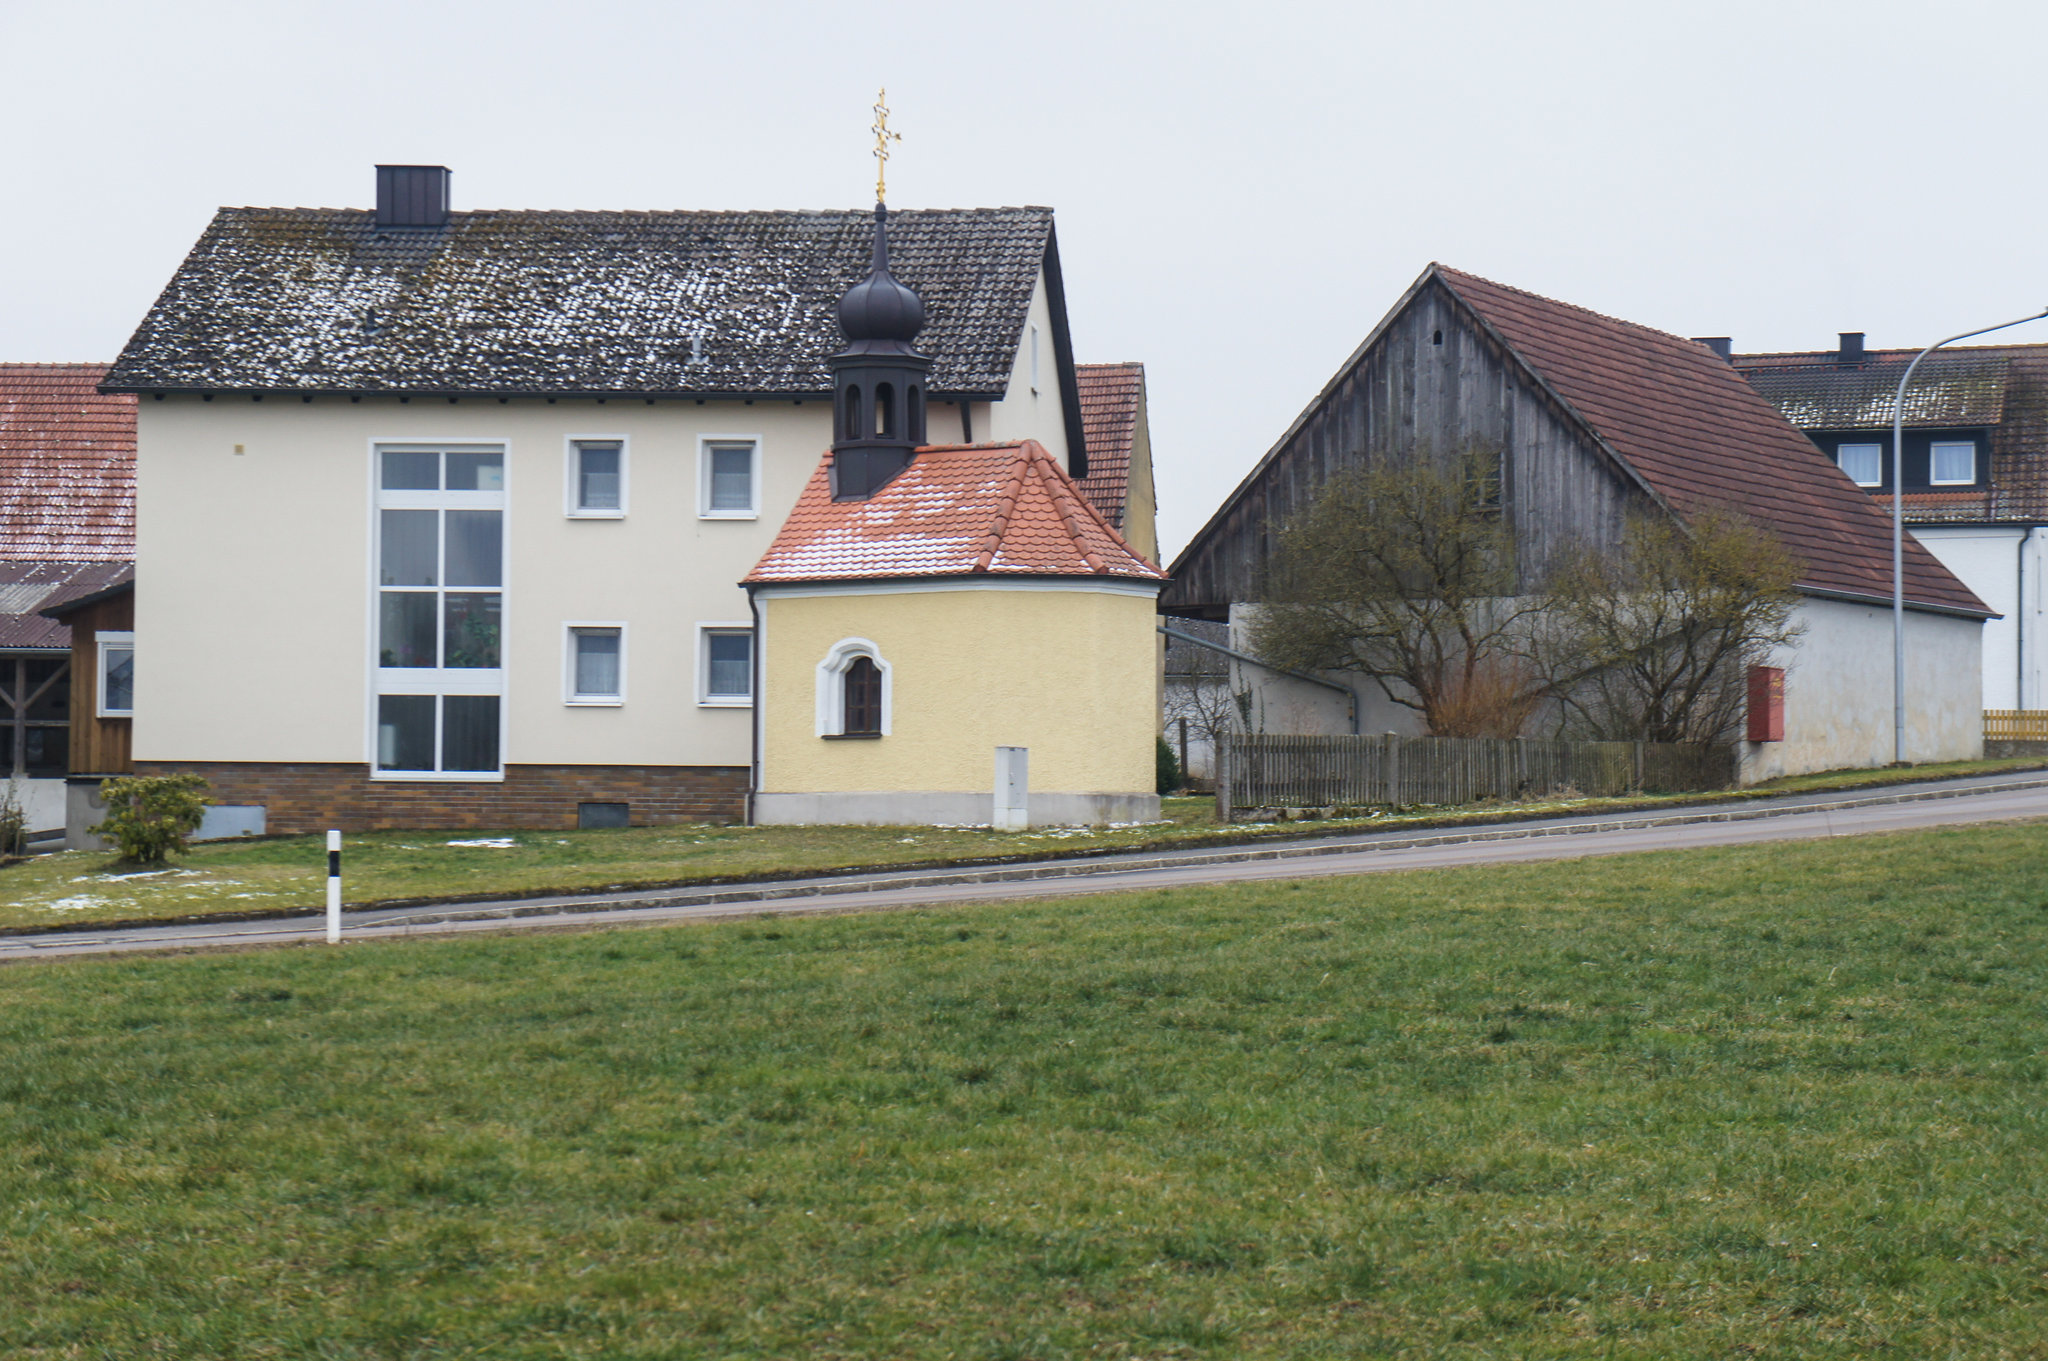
(412, 195)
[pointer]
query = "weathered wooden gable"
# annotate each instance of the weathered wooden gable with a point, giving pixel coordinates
(1430, 380)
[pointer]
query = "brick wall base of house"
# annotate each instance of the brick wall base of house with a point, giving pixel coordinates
(313, 798)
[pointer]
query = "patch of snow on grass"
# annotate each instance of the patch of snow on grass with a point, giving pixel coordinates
(495, 843)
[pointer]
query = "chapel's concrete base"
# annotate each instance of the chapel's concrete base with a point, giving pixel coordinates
(924, 809)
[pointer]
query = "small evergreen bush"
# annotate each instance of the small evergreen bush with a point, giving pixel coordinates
(1168, 766)
(149, 816)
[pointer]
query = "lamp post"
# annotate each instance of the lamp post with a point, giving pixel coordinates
(1899, 530)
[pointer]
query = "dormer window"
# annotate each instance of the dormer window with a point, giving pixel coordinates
(1864, 463)
(1953, 463)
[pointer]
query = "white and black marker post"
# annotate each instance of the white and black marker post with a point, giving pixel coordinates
(334, 888)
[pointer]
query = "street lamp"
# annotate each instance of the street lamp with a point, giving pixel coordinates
(1899, 531)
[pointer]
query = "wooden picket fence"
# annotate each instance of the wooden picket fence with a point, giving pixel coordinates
(2016, 725)
(1266, 771)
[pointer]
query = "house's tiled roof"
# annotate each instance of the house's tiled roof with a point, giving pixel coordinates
(67, 466)
(1817, 393)
(1700, 437)
(956, 510)
(1111, 397)
(741, 303)
(28, 587)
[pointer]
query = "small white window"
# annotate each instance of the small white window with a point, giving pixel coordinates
(117, 675)
(596, 664)
(597, 478)
(1863, 462)
(725, 667)
(729, 479)
(1954, 462)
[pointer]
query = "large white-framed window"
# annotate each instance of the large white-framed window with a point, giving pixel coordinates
(725, 665)
(856, 695)
(117, 674)
(729, 477)
(596, 468)
(1864, 463)
(1952, 463)
(439, 581)
(594, 663)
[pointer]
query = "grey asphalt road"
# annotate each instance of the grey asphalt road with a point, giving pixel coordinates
(1906, 808)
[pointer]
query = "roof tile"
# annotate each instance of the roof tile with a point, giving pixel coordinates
(1700, 437)
(1111, 397)
(67, 466)
(318, 299)
(956, 510)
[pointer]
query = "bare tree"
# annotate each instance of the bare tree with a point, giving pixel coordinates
(1201, 691)
(1407, 574)
(1652, 641)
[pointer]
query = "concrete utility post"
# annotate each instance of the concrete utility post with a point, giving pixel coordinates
(1899, 530)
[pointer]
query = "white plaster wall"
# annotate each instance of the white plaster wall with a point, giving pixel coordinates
(254, 600)
(41, 802)
(1285, 704)
(1838, 692)
(2003, 564)
(1024, 413)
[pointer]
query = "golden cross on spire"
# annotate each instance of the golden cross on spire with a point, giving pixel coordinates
(882, 139)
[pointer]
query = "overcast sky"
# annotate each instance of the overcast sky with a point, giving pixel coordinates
(1242, 190)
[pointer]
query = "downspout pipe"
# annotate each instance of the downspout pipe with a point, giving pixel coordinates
(754, 719)
(2019, 680)
(1899, 530)
(1350, 695)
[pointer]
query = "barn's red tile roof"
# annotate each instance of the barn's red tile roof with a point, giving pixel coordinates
(1111, 397)
(1700, 437)
(26, 588)
(956, 510)
(67, 466)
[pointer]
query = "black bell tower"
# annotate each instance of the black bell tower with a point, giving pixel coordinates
(879, 381)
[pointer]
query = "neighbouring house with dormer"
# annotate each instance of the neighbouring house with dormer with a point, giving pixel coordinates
(1596, 419)
(1975, 431)
(442, 516)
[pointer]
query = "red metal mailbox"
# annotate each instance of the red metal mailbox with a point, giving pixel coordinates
(1767, 704)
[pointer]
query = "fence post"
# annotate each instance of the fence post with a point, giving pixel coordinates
(1393, 747)
(1639, 767)
(1184, 775)
(1223, 778)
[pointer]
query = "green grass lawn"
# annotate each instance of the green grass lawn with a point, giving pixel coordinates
(1781, 1101)
(285, 874)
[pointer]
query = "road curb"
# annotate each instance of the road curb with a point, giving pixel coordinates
(1065, 869)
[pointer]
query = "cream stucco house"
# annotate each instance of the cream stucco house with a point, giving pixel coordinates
(442, 516)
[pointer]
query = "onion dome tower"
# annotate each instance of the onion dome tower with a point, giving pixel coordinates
(879, 380)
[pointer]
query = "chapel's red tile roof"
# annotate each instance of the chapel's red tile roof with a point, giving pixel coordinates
(1111, 397)
(67, 466)
(1700, 437)
(956, 510)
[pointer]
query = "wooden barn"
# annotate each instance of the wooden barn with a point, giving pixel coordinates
(1595, 418)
